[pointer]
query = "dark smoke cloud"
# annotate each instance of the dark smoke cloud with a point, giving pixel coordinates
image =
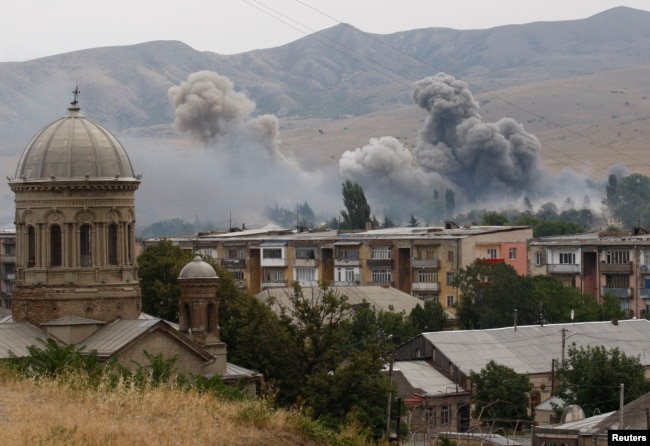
(484, 163)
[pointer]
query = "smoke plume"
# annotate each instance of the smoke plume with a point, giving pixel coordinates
(483, 163)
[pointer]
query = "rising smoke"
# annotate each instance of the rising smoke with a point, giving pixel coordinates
(483, 163)
(234, 168)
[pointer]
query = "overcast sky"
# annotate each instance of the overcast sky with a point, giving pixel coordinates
(35, 28)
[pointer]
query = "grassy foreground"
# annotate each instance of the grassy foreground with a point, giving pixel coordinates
(64, 412)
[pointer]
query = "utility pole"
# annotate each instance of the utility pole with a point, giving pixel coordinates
(563, 342)
(620, 410)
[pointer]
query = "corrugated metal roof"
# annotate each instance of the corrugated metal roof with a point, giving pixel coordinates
(116, 335)
(531, 348)
(379, 297)
(420, 375)
(15, 337)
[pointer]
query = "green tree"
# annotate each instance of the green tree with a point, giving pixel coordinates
(590, 377)
(358, 210)
(629, 199)
(431, 317)
(388, 223)
(500, 396)
(489, 295)
(450, 203)
(494, 219)
(413, 222)
(158, 268)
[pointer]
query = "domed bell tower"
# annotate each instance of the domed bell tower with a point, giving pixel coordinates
(199, 309)
(75, 217)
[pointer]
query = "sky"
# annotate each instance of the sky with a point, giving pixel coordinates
(38, 28)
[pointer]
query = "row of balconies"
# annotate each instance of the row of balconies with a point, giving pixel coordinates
(605, 268)
(313, 263)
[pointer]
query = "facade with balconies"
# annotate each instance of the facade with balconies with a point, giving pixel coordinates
(7, 267)
(599, 265)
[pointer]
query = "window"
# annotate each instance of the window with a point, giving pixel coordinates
(618, 257)
(512, 253)
(112, 244)
(236, 253)
(450, 278)
(347, 275)
(55, 245)
(85, 245)
(567, 258)
(427, 276)
(237, 274)
(492, 253)
(305, 274)
(275, 276)
(538, 258)
(10, 250)
(445, 414)
(450, 301)
(305, 253)
(381, 275)
(380, 252)
(450, 256)
(129, 241)
(31, 247)
(348, 254)
(425, 296)
(272, 253)
(617, 281)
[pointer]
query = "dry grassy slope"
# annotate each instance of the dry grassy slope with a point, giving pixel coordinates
(587, 123)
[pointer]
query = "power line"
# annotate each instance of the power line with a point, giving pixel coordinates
(375, 64)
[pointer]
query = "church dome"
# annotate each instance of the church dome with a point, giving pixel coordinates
(74, 147)
(198, 269)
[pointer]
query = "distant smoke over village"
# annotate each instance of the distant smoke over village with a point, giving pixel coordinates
(233, 169)
(485, 164)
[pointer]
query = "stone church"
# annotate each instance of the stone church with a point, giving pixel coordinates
(76, 275)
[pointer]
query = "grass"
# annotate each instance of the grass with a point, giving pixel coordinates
(65, 411)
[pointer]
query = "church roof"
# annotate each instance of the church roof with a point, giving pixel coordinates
(15, 337)
(74, 147)
(197, 269)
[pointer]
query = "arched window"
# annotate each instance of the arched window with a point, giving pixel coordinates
(85, 245)
(31, 247)
(112, 244)
(184, 319)
(55, 245)
(211, 318)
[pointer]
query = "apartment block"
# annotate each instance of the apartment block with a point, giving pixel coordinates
(7, 266)
(598, 264)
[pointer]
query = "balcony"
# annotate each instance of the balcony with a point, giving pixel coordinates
(616, 268)
(644, 293)
(425, 263)
(347, 262)
(233, 263)
(305, 263)
(272, 262)
(623, 293)
(563, 268)
(274, 284)
(379, 263)
(425, 286)
(343, 283)
(11, 276)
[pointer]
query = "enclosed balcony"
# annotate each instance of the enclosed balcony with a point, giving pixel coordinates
(425, 286)
(616, 268)
(233, 263)
(425, 263)
(563, 268)
(622, 293)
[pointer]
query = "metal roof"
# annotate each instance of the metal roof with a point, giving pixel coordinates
(424, 379)
(530, 349)
(117, 335)
(382, 298)
(15, 337)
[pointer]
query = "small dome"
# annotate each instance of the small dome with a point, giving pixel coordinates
(74, 147)
(198, 269)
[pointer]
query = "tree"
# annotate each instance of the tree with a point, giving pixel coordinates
(590, 377)
(490, 293)
(629, 199)
(430, 318)
(388, 223)
(158, 269)
(450, 203)
(358, 210)
(494, 219)
(413, 222)
(501, 396)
